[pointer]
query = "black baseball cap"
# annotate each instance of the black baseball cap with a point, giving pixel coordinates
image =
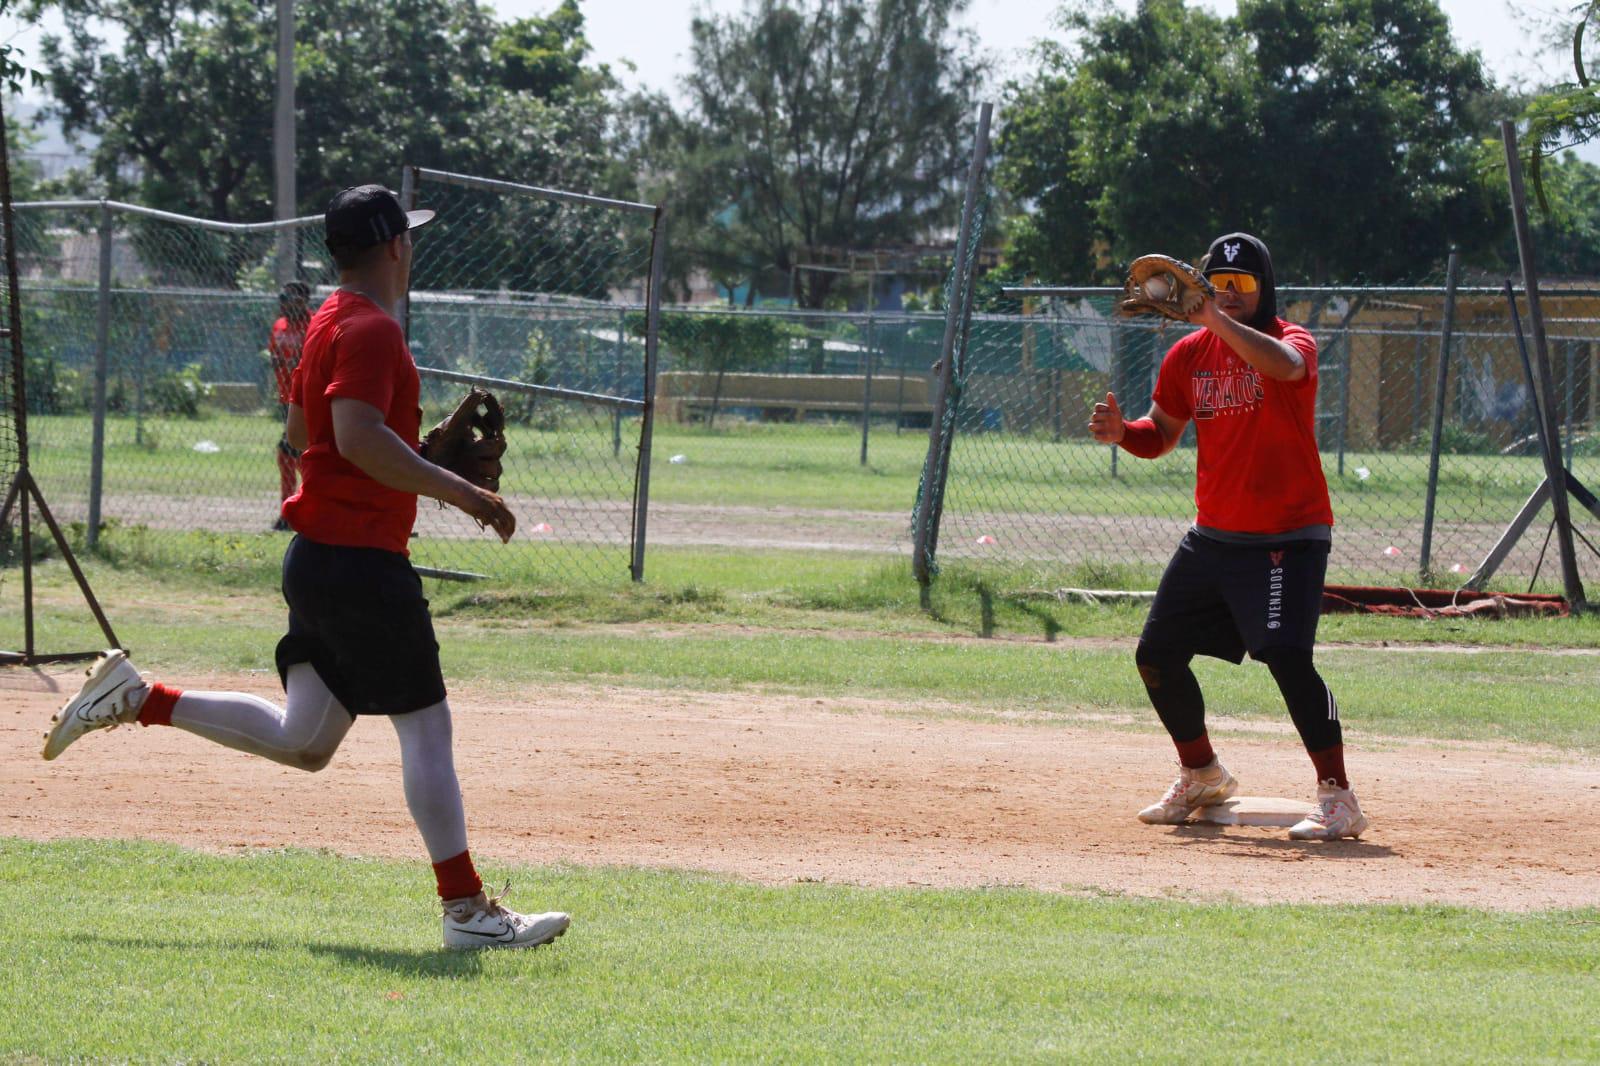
(1234, 252)
(364, 215)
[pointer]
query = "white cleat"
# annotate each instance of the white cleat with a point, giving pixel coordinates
(1336, 815)
(481, 922)
(1194, 788)
(102, 703)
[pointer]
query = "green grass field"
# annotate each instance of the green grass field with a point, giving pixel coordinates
(805, 466)
(147, 953)
(136, 952)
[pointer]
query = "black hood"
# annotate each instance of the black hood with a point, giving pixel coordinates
(1250, 255)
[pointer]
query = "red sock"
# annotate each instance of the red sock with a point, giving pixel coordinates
(157, 708)
(1195, 753)
(1330, 764)
(457, 877)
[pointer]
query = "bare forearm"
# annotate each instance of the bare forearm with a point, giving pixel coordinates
(386, 459)
(1268, 355)
(294, 429)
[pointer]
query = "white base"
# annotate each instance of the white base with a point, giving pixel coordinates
(1254, 810)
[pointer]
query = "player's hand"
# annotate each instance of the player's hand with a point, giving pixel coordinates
(488, 509)
(1210, 311)
(1106, 423)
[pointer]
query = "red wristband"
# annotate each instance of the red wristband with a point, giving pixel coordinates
(1141, 437)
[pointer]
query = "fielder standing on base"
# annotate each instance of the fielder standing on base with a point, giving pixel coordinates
(360, 639)
(1249, 576)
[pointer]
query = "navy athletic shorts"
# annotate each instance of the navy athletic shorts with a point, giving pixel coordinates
(1224, 600)
(358, 616)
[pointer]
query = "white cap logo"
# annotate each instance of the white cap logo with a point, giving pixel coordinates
(1230, 252)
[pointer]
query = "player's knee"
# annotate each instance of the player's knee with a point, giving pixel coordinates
(1156, 661)
(314, 757)
(1287, 662)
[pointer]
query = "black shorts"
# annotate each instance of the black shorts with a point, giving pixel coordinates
(358, 616)
(1224, 600)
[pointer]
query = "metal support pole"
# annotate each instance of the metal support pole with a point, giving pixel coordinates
(934, 468)
(1344, 397)
(283, 144)
(866, 386)
(102, 363)
(408, 200)
(617, 381)
(1571, 581)
(1441, 380)
(647, 421)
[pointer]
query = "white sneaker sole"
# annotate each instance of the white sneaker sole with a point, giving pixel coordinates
(500, 945)
(60, 737)
(1357, 827)
(1157, 815)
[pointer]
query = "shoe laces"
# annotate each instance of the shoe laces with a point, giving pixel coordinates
(1329, 811)
(1177, 792)
(491, 907)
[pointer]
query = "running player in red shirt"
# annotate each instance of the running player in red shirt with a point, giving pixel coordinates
(1248, 577)
(283, 352)
(360, 639)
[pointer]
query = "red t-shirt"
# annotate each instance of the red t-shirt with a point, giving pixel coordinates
(353, 351)
(283, 348)
(1259, 469)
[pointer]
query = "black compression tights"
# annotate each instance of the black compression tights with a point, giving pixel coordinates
(1173, 691)
(1175, 694)
(1311, 702)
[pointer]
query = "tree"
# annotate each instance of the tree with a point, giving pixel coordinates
(1132, 138)
(1566, 231)
(721, 342)
(1369, 108)
(184, 109)
(1316, 123)
(1567, 113)
(818, 125)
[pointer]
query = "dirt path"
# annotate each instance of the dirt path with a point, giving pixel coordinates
(779, 789)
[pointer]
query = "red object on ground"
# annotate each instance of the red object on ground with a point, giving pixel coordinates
(1434, 603)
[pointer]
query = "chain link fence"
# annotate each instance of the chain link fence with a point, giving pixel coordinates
(771, 429)
(160, 323)
(546, 298)
(1029, 485)
(173, 315)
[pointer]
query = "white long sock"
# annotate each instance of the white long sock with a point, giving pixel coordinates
(304, 735)
(428, 770)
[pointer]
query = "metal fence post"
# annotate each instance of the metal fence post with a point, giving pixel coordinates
(936, 467)
(1344, 396)
(1571, 581)
(652, 327)
(408, 200)
(1441, 380)
(617, 383)
(102, 339)
(866, 388)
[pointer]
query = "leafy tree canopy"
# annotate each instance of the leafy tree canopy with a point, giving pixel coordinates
(820, 125)
(184, 110)
(1316, 123)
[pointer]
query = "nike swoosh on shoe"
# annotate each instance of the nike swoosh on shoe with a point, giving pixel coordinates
(508, 933)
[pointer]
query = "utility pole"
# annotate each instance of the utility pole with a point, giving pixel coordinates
(283, 148)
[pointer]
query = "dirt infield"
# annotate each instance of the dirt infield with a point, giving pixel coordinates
(782, 789)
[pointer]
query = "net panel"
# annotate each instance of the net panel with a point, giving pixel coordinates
(519, 285)
(1030, 485)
